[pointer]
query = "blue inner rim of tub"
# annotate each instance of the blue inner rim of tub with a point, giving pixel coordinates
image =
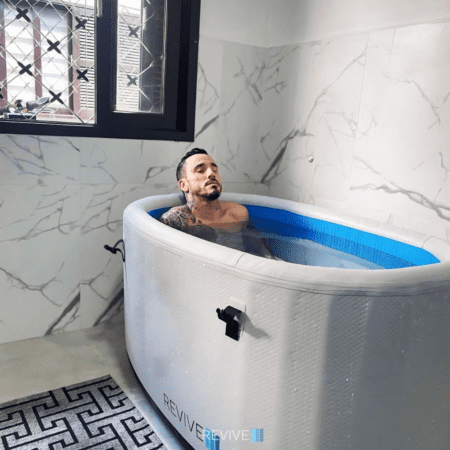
(386, 252)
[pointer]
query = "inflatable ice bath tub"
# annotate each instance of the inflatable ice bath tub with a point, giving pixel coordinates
(323, 357)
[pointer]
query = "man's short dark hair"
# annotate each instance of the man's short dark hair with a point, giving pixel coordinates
(181, 166)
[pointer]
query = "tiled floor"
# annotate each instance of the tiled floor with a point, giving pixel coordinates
(36, 365)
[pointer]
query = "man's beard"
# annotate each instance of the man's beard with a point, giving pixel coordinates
(213, 195)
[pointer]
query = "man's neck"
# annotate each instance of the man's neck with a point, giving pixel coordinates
(202, 208)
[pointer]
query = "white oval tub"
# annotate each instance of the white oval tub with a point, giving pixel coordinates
(328, 358)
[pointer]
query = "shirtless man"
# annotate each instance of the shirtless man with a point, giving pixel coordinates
(204, 215)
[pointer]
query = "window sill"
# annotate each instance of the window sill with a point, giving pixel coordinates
(86, 130)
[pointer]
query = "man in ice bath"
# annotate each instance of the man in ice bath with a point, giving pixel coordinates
(204, 215)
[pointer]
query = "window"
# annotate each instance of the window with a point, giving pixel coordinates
(116, 68)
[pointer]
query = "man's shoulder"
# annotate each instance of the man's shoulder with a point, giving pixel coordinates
(239, 211)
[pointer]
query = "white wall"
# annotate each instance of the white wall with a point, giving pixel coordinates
(294, 21)
(359, 86)
(267, 23)
(241, 21)
(369, 106)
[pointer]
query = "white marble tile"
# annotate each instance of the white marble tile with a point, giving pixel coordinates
(428, 228)
(346, 208)
(39, 260)
(160, 160)
(284, 188)
(209, 84)
(310, 108)
(296, 21)
(239, 153)
(447, 231)
(39, 160)
(237, 21)
(368, 213)
(254, 188)
(408, 223)
(102, 208)
(402, 161)
(111, 161)
(130, 161)
(323, 202)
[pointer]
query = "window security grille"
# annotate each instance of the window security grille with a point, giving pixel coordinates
(42, 58)
(47, 49)
(140, 56)
(84, 54)
(127, 64)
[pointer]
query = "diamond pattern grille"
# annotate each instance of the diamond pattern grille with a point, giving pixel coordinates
(47, 49)
(86, 33)
(43, 57)
(140, 56)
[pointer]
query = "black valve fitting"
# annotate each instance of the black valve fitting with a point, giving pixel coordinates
(233, 318)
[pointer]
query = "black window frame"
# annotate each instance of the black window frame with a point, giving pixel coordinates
(177, 123)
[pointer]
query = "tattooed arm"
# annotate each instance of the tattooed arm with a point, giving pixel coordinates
(176, 218)
(182, 219)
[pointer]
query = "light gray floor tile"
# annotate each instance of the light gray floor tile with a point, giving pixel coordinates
(37, 365)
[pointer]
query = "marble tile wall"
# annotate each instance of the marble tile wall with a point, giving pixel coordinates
(371, 110)
(62, 199)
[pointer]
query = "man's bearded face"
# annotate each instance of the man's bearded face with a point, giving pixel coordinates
(203, 177)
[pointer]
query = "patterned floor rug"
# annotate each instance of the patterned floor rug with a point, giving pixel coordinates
(94, 415)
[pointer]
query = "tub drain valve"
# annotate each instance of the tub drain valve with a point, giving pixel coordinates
(232, 317)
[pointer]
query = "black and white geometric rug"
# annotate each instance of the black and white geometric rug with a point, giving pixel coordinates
(94, 415)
